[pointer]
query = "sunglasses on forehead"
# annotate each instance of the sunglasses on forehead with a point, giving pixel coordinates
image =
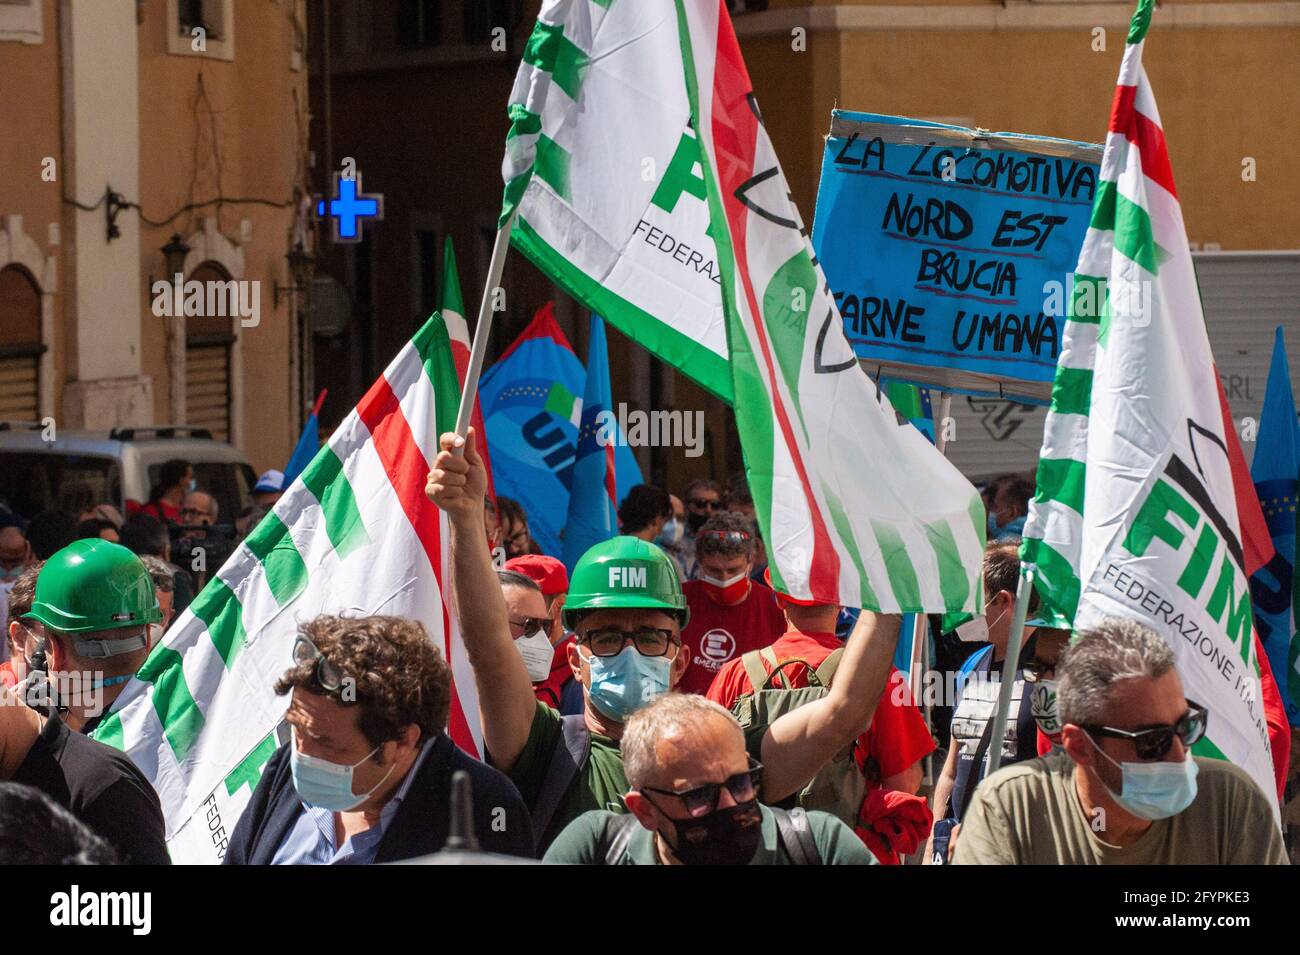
(738, 537)
(1156, 741)
(328, 676)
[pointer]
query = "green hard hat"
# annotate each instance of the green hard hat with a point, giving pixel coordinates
(94, 584)
(624, 572)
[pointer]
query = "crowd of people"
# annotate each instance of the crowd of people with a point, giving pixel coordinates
(662, 703)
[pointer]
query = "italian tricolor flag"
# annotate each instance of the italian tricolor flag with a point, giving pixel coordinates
(353, 535)
(1143, 507)
(856, 506)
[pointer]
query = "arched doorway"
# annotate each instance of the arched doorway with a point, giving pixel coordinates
(20, 345)
(208, 340)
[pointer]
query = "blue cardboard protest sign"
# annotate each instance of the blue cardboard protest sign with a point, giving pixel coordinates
(949, 250)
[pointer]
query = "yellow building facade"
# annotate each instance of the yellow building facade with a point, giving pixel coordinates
(142, 140)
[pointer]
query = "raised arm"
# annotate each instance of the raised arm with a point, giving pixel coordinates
(458, 485)
(801, 742)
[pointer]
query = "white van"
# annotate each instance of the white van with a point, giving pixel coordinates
(80, 469)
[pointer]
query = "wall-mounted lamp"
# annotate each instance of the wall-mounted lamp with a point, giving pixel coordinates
(174, 253)
(300, 264)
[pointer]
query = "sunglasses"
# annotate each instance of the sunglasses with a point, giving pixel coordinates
(700, 504)
(328, 676)
(610, 641)
(734, 537)
(1156, 741)
(528, 626)
(703, 800)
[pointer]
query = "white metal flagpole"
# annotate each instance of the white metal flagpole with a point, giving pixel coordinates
(1015, 641)
(483, 327)
(920, 657)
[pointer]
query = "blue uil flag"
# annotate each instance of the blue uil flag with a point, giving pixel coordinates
(532, 401)
(1276, 474)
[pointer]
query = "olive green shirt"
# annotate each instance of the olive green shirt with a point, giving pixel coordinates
(1030, 814)
(600, 783)
(582, 843)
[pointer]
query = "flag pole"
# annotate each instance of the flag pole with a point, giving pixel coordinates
(1015, 641)
(484, 326)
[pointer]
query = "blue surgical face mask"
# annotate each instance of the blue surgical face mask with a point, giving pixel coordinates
(671, 533)
(1012, 528)
(328, 785)
(11, 573)
(1154, 790)
(623, 683)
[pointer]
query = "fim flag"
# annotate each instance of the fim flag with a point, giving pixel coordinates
(1275, 589)
(856, 506)
(1136, 508)
(601, 165)
(353, 535)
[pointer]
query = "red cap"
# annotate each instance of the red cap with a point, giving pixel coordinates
(797, 601)
(547, 572)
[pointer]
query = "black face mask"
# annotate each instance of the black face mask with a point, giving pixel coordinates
(724, 837)
(696, 521)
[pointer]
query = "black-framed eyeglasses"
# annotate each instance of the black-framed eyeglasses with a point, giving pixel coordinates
(528, 626)
(328, 676)
(700, 504)
(703, 800)
(610, 641)
(1036, 669)
(1156, 741)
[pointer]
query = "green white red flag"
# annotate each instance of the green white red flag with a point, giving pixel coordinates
(1136, 512)
(355, 535)
(856, 506)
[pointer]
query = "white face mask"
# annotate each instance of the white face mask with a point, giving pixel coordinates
(538, 653)
(976, 630)
(671, 535)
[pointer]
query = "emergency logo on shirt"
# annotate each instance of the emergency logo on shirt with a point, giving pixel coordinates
(717, 647)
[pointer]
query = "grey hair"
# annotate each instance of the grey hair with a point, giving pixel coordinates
(160, 572)
(1117, 649)
(665, 717)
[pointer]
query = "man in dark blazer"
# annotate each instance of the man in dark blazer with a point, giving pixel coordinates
(366, 777)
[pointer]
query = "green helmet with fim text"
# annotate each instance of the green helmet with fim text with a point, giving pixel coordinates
(624, 572)
(94, 585)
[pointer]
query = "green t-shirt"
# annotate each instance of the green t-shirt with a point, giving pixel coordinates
(1030, 814)
(600, 783)
(580, 843)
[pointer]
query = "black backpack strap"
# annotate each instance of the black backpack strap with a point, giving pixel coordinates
(796, 836)
(976, 770)
(570, 753)
(618, 833)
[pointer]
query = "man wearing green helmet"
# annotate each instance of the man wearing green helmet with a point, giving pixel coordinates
(91, 615)
(626, 606)
(96, 616)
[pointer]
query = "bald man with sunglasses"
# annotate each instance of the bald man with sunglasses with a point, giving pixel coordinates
(1127, 789)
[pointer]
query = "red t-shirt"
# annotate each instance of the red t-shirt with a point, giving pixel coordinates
(897, 737)
(164, 511)
(718, 634)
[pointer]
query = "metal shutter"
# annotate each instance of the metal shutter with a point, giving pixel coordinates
(1246, 295)
(18, 389)
(207, 389)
